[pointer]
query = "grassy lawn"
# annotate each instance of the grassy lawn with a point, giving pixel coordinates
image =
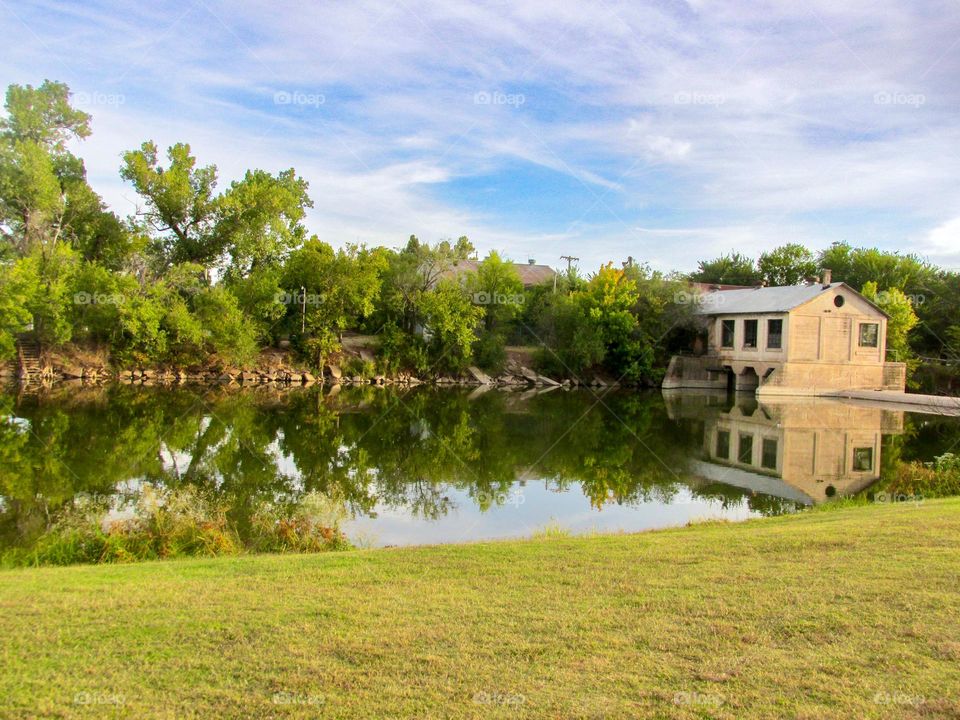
(852, 613)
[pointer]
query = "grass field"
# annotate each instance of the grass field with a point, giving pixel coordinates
(851, 613)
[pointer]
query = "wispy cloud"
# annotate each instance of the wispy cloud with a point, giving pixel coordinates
(720, 125)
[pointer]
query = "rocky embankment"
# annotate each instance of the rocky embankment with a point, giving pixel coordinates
(515, 375)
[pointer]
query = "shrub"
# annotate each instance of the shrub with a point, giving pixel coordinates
(941, 478)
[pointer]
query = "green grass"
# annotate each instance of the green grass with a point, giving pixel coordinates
(853, 613)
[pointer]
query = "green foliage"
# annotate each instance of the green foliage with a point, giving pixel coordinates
(901, 321)
(732, 269)
(434, 311)
(327, 291)
(450, 319)
(183, 522)
(621, 320)
(14, 316)
(609, 301)
(919, 481)
(571, 343)
(260, 218)
(181, 206)
(261, 299)
(497, 289)
(788, 264)
(47, 279)
(44, 196)
(400, 350)
(43, 116)
(858, 266)
(225, 329)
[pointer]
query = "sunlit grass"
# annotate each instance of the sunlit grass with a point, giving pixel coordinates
(843, 614)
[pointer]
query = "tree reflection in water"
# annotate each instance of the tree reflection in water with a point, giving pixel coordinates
(371, 448)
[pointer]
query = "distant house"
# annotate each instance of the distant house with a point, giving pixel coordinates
(530, 273)
(799, 340)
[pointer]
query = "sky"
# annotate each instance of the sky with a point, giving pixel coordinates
(665, 131)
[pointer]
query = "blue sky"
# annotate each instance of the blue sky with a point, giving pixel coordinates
(668, 131)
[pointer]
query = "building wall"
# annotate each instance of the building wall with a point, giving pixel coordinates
(738, 353)
(822, 332)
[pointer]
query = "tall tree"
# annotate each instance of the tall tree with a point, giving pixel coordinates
(260, 218)
(44, 195)
(788, 264)
(180, 203)
(732, 269)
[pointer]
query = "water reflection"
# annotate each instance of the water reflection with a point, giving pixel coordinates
(428, 465)
(806, 450)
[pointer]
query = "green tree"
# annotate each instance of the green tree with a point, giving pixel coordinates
(414, 271)
(902, 319)
(14, 317)
(569, 342)
(260, 219)
(610, 299)
(858, 266)
(181, 207)
(450, 321)
(788, 264)
(497, 289)
(44, 196)
(732, 269)
(328, 291)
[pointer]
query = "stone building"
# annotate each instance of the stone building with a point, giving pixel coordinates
(811, 339)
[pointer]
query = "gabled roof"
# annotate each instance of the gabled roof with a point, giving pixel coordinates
(766, 299)
(530, 274)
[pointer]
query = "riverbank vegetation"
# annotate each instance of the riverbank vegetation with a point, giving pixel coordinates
(204, 274)
(164, 523)
(850, 613)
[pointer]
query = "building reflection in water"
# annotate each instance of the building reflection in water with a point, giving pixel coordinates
(801, 449)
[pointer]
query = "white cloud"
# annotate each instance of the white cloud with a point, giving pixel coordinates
(942, 244)
(748, 125)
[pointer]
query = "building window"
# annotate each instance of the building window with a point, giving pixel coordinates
(863, 459)
(774, 334)
(745, 451)
(726, 333)
(838, 301)
(723, 444)
(768, 458)
(750, 333)
(869, 334)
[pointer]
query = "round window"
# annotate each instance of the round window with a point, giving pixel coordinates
(839, 300)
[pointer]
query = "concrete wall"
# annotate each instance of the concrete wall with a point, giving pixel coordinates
(820, 331)
(738, 353)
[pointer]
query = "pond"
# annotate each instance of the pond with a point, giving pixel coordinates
(429, 465)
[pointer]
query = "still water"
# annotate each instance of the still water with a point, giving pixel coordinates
(438, 466)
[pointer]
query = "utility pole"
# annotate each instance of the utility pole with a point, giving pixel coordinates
(303, 310)
(570, 260)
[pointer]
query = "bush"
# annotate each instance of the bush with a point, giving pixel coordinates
(490, 353)
(940, 478)
(358, 367)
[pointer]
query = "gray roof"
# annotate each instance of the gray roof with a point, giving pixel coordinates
(760, 299)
